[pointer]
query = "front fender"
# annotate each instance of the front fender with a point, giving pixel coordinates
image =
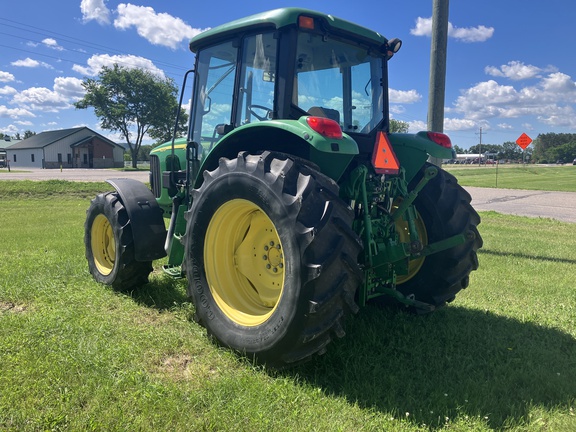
(146, 221)
(293, 137)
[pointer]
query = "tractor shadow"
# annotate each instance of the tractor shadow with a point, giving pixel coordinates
(162, 292)
(456, 362)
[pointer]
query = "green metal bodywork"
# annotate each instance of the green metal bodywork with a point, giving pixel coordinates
(287, 136)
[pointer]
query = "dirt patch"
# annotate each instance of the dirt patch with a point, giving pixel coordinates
(10, 307)
(183, 367)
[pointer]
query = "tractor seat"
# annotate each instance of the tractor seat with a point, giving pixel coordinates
(329, 113)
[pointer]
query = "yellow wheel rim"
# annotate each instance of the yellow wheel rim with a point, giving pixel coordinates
(244, 262)
(403, 230)
(103, 244)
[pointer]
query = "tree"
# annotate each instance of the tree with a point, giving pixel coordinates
(398, 126)
(28, 133)
(511, 151)
(485, 148)
(458, 149)
(133, 102)
(547, 146)
(164, 132)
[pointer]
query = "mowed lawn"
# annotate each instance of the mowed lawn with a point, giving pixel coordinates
(560, 178)
(75, 355)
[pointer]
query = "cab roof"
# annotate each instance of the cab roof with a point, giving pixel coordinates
(285, 17)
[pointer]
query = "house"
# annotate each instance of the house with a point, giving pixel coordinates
(78, 147)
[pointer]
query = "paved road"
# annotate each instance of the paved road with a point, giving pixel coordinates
(556, 205)
(71, 174)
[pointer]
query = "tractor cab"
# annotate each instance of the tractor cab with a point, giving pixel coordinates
(285, 65)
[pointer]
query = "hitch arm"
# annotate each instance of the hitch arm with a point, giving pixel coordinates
(447, 243)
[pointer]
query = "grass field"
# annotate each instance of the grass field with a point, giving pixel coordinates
(531, 177)
(75, 355)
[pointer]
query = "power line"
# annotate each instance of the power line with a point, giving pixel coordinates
(80, 42)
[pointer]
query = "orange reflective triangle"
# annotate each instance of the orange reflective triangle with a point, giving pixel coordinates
(384, 159)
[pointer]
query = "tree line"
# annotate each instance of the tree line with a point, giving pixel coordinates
(546, 148)
(16, 136)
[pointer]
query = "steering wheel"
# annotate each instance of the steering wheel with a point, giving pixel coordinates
(266, 116)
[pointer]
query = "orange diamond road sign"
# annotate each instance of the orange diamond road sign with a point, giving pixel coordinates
(524, 141)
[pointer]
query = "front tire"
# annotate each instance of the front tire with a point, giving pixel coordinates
(271, 258)
(109, 245)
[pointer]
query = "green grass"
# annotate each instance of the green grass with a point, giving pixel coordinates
(75, 355)
(530, 177)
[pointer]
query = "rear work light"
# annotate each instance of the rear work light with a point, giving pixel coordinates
(325, 127)
(440, 139)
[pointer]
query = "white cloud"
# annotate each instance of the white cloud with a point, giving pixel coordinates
(28, 62)
(560, 85)
(95, 10)
(453, 124)
(24, 123)
(6, 77)
(7, 90)
(10, 129)
(417, 126)
(158, 28)
(41, 99)
(551, 101)
(97, 62)
(401, 96)
(66, 90)
(559, 117)
(514, 70)
(69, 87)
(51, 43)
(14, 113)
(466, 34)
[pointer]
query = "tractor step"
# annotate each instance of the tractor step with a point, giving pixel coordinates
(174, 271)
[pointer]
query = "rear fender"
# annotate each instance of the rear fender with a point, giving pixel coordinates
(292, 137)
(146, 220)
(413, 150)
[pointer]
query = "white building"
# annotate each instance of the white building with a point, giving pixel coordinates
(67, 148)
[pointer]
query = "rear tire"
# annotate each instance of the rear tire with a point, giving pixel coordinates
(445, 210)
(109, 245)
(271, 258)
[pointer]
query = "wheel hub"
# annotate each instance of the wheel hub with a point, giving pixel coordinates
(103, 244)
(244, 262)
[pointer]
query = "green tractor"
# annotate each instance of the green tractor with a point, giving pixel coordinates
(290, 204)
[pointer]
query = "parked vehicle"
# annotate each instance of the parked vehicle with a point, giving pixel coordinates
(290, 203)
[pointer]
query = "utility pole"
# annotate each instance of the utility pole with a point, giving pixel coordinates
(437, 85)
(480, 146)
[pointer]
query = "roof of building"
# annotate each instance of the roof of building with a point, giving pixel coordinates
(74, 135)
(8, 142)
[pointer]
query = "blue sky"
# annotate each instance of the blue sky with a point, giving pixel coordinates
(511, 64)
